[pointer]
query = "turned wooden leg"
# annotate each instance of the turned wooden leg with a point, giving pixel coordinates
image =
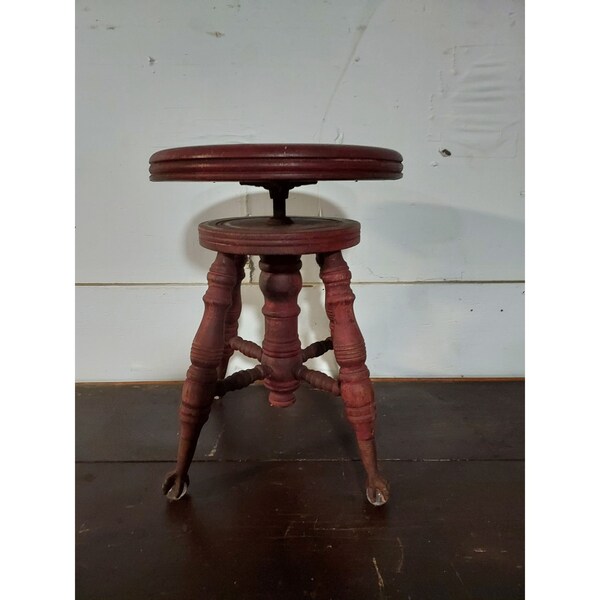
(233, 314)
(280, 282)
(206, 356)
(350, 353)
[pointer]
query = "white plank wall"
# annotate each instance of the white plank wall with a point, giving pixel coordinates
(439, 272)
(143, 333)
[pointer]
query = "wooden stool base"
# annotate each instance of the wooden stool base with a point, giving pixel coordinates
(280, 241)
(281, 357)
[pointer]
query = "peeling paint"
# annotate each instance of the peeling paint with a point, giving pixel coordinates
(478, 109)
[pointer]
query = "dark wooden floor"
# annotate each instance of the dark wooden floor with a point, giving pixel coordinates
(276, 507)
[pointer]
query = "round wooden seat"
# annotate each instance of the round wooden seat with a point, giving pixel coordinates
(264, 164)
(266, 235)
(280, 241)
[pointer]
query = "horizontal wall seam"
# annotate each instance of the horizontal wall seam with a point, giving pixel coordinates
(180, 382)
(306, 283)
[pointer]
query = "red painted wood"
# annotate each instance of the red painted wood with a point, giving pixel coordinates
(280, 241)
(246, 347)
(317, 349)
(233, 315)
(266, 235)
(318, 380)
(206, 356)
(239, 380)
(280, 283)
(350, 353)
(265, 163)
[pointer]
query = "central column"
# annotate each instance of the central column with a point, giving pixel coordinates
(280, 283)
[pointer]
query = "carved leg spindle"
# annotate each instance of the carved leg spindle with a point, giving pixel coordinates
(280, 282)
(233, 315)
(328, 307)
(350, 353)
(207, 353)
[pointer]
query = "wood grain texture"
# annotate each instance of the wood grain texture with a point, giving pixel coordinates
(260, 164)
(298, 530)
(421, 421)
(287, 485)
(266, 235)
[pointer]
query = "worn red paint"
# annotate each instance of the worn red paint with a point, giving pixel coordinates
(280, 241)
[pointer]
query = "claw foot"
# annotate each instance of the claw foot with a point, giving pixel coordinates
(175, 486)
(378, 490)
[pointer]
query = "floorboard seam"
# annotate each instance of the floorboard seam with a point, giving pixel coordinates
(288, 460)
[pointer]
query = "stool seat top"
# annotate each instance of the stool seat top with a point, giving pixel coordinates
(266, 235)
(260, 164)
